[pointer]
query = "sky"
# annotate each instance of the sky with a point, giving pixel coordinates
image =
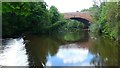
(69, 5)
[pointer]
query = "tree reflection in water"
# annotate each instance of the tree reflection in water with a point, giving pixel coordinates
(106, 51)
(72, 49)
(39, 47)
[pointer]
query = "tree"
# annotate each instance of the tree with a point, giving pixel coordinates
(29, 17)
(22, 17)
(108, 19)
(55, 16)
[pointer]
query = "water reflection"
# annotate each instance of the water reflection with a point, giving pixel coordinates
(106, 51)
(85, 51)
(39, 47)
(70, 55)
(79, 50)
(72, 36)
(67, 37)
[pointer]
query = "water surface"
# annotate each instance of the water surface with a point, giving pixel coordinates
(64, 49)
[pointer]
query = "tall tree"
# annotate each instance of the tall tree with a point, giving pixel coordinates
(55, 16)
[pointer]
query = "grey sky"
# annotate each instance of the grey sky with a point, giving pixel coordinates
(70, 5)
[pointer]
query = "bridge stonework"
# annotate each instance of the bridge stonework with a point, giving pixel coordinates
(83, 15)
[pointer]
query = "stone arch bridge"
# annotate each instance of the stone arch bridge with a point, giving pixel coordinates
(83, 17)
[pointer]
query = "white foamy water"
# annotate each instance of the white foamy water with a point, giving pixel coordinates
(14, 54)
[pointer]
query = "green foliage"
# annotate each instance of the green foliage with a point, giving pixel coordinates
(29, 17)
(84, 10)
(17, 8)
(55, 16)
(39, 17)
(94, 28)
(72, 26)
(108, 20)
(18, 17)
(94, 10)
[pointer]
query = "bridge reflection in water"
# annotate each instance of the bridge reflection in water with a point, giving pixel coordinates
(60, 50)
(63, 51)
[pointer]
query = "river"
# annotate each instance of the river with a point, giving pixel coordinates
(64, 49)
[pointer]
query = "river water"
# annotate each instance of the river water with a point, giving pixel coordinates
(63, 49)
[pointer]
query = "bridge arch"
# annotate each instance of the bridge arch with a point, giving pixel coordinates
(86, 22)
(85, 18)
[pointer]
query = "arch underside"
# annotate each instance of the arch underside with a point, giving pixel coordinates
(84, 21)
